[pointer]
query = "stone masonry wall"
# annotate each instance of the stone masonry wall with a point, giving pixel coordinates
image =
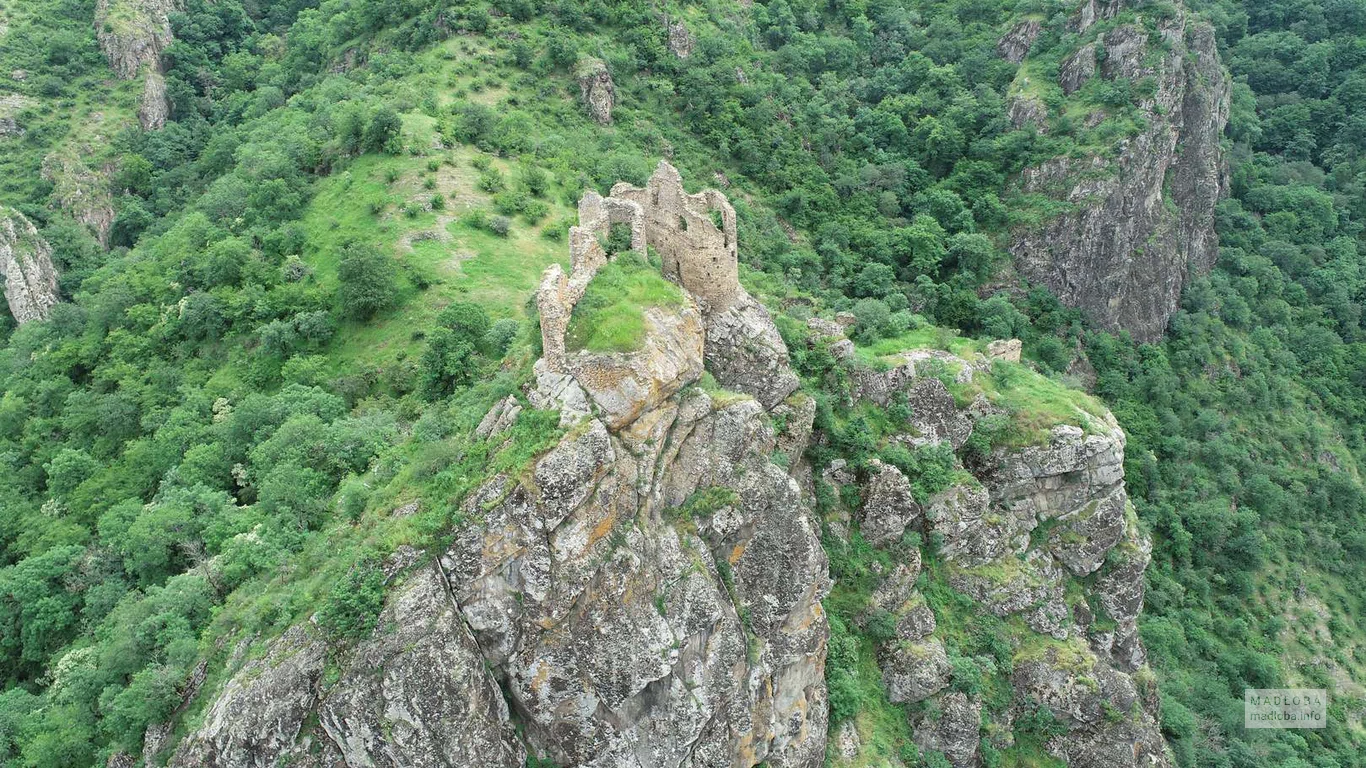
(697, 255)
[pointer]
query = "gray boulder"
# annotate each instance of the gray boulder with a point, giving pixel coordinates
(745, 352)
(914, 671)
(957, 731)
(889, 508)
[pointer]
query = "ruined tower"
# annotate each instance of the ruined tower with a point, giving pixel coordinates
(697, 254)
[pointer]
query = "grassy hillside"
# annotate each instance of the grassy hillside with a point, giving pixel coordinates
(320, 275)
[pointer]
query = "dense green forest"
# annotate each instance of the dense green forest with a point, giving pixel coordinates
(318, 281)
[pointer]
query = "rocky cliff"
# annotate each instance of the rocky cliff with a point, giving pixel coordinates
(80, 191)
(649, 592)
(1138, 221)
(1038, 532)
(133, 34)
(26, 267)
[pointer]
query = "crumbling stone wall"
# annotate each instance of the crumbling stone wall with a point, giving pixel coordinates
(696, 254)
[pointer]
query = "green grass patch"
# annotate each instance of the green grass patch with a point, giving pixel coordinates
(926, 337)
(1035, 402)
(611, 315)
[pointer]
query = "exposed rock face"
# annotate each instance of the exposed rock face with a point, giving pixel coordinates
(556, 579)
(82, 192)
(680, 41)
(1016, 535)
(499, 418)
(258, 717)
(745, 352)
(1028, 111)
(914, 671)
(1143, 222)
(1014, 45)
(133, 34)
(889, 506)
(955, 732)
(404, 690)
(1111, 722)
(1077, 69)
(26, 267)
(11, 104)
(1005, 349)
(935, 418)
(155, 106)
(394, 703)
(596, 89)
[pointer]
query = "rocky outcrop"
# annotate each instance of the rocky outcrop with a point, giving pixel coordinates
(889, 506)
(1141, 221)
(1110, 720)
(81, 192)
(1078, 69)
(596, 90)
(258, 717)
(1040, 531)
(725, 661)
(394, 702)
(11, 104)
(616, 630)
(26, 268)
(499, 419)
(154, 106)
(1014, 45)
(679, 40)
(956, 732)
(934, 416)
(646, 593)
(745, 352)
(1027, 111)
(914, 671)
(419, 675)
(133, 34)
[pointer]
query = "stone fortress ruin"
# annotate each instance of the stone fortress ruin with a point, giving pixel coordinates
(697, 254)
(694, 236)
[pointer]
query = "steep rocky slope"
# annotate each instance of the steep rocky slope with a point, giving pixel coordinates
(650, 591)
(80, 191)
(133, 34)
(26, 267)
(1038, 532)
(1138, 215)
